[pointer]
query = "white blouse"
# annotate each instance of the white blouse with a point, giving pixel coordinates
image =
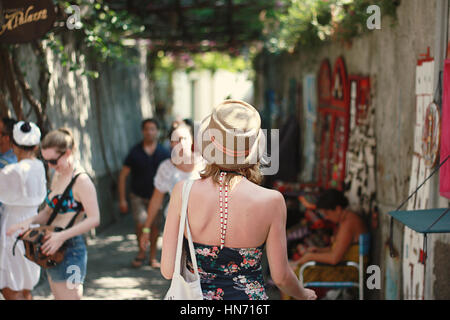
(22, 190)
(23, 183)
(168, 175)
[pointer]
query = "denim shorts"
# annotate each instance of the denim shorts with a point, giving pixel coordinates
(73, 268)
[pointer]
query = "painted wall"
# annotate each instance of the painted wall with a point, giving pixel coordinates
(389, 56)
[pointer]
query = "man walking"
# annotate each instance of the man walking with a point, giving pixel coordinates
(141, 164)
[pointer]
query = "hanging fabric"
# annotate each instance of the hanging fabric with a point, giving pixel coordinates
(444, 184)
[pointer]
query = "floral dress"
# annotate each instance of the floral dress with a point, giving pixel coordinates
(230, 273)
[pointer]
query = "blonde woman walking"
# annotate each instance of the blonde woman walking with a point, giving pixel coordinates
(231, 218)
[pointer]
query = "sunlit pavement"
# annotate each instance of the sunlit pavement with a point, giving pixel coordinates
(110, 275)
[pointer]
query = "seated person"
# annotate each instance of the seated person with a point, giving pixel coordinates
(344, 243)
(312, 230)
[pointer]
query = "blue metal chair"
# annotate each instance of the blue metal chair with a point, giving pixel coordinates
(364, 245)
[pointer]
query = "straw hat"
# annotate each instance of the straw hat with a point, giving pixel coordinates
(26, 134)
(231, 136)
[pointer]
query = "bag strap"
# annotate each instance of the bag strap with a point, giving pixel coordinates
(60, 201)
(14, 246)
(184, 222)
(72, 221)
(74, 218)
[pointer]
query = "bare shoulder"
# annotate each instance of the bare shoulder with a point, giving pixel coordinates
(84, 180)
(177, 189)
(268, 195)
(271, 201)
(351, 223)
(353, 218)
(357, 222)
(84, 184)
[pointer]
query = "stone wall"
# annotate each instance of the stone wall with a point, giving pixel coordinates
(104, 114)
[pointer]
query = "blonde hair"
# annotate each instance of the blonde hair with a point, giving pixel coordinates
(252, 173)
(61, 139)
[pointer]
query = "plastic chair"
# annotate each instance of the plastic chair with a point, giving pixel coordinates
(364, 244)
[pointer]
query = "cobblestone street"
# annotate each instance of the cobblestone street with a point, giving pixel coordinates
(110, 275)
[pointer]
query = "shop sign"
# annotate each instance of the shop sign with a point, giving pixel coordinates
(25, 20)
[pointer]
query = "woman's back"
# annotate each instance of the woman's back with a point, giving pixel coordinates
(250, 212)
(235, 271)
(23, 183)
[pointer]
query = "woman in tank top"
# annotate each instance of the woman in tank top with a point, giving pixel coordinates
(79, 212)
(232, 219)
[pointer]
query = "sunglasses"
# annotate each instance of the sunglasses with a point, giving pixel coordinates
(53, 161)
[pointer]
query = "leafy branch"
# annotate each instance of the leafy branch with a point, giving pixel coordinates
(310, 23)
(102, 33)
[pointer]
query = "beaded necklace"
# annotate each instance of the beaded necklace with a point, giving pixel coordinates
(223, 205)
(223, 212)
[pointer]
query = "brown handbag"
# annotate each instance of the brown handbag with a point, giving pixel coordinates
(33, 238)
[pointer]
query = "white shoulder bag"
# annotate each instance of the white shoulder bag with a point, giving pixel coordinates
(185, 284)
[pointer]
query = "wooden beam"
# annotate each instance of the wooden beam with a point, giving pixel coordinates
(192, 46)
(230, 20)
(170, 21)
(181, 22)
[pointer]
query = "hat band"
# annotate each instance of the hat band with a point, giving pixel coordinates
(227, 151)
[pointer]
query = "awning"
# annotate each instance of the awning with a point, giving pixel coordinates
(425, 221)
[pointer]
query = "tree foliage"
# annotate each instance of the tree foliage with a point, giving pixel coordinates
(310, 23)
(167, 62)
(103, 33)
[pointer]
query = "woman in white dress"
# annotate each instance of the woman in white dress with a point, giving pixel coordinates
(183, 164)
(22, 190)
